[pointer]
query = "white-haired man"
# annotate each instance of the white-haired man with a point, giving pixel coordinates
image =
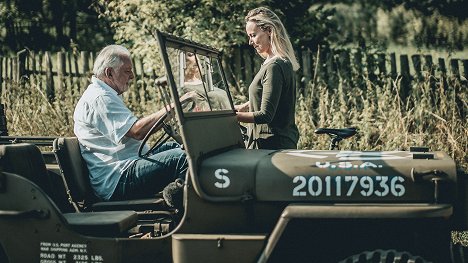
(109, 136)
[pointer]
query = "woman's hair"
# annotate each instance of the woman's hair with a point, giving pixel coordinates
(110, 57)
(280, 44)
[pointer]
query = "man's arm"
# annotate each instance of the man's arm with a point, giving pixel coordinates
(142, 126)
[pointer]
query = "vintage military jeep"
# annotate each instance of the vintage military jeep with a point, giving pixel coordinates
(238, 205)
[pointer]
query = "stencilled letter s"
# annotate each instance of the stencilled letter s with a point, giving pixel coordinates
(221, 175)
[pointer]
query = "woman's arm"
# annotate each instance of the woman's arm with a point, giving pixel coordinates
(246, 117)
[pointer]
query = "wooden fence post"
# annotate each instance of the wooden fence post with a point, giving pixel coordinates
(61, 69)
(454, 69)
(381, 64)
(417, 65)
(32, 62)
(92, 57)
(370, 61)
(428, 65)
(50, 85)
(357, 68)
(344, 64)
(38, 70)
(306, 70)
(443, 73)
(429, 68)
(75, 76)
(69, 74)
(442, 67)
(331, 69)
(465, 68)
(393, 66)
(3, 121)
(21, 64)
(405, 77)
(84, 57)
(1, 76)
(12, 68)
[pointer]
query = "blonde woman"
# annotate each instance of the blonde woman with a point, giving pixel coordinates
(272, 93)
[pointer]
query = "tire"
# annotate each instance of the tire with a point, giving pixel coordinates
(384, 256)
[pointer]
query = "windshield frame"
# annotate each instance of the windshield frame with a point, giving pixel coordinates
(166, 41)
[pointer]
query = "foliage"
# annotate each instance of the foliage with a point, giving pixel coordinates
(219, 23)
(308, 26)
(214, 22)
(51, 25)
(370, 25)
(444, 7)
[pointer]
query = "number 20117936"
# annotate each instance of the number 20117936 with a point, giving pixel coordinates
(366, 186)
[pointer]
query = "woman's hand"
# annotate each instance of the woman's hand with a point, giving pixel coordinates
(244, 107)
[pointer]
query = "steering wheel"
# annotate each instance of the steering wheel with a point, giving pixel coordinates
(169, 126)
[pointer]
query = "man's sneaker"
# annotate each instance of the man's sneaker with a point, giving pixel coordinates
(172, 193)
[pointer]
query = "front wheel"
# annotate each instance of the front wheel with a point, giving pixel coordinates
(384, 256)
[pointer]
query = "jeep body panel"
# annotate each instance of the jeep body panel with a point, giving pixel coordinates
(327, 176)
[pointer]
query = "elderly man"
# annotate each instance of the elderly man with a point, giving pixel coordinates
(109, 136)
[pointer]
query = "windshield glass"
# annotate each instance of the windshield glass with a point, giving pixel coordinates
(202, 75)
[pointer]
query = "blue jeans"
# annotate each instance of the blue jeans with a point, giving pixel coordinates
(144, 178)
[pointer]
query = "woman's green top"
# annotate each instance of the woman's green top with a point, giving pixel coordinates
(272, 99)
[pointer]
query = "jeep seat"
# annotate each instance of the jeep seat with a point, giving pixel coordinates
(26, 160)
(76, 174)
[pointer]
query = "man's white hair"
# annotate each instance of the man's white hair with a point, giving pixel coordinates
(110, 57)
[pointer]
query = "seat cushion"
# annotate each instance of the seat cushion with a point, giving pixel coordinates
(26, 160)
(109, 223)
(136, 204)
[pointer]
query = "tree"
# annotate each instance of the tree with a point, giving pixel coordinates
(51, 25)
(217, 23)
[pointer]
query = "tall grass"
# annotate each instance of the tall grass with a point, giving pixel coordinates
(30, 112)
(434, 114)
